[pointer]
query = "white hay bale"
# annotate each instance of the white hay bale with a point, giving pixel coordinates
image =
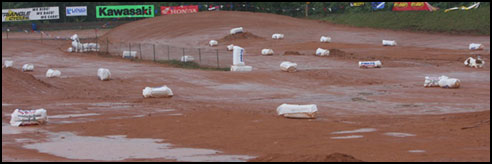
(288, 66)
(53, 73)
(28, 117)
(244, 68)
(389, 43)
(187, 58)
(130, 54)
(370, 64)
(8, 63)
(476, 63)
(475, 46)
(103, 74)
(28, 67)
(325, 39)
(237, 30)
(212, 43)
(267, 52)
(446, 82)
(230, 47)
(322, 52)
(162, 91)
(297, 111)
(278, 36)
(431, 81)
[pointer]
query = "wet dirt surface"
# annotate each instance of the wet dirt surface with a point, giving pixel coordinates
(382, 114)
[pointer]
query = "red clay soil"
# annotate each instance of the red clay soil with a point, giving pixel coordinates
(235, 112)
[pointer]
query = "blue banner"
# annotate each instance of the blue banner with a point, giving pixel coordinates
(377, 5)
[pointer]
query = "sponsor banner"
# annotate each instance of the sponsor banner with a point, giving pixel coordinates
(76, 10)
(377, 5)
(26, 14)
(167, 10)
(356, 4)
(128, 11)
(410, 6)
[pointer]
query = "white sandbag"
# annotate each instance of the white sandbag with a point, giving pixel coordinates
(187, 58)
(27, 67)
(213, 43)
(297, 111)
(277, 36)
(288, 66)
(28, 117)
(325, 39)
(322, 52)
(53, 73)
(93, 47)
(8, 63)
(238, 54)
(162, 91)
(230, 47)
(103, 74)
(475, 46)
(244, 68)
(237, 30)
(472, 62)
(446, 82)
(130, 54)
(389, 43)
(431, 81)
(267, 52)
(70, 49)
(370, 64)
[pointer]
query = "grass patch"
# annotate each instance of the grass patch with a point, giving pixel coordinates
(475, 21)
(190, 65)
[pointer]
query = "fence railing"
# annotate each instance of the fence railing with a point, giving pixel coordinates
(208, 57)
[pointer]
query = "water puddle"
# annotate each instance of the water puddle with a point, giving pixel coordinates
(176, 114)
(363, 130)
(397, 134)
(347, 137)
(72, 115)
(416, 151)
(6, 104)
(118, 147)
(7, 129)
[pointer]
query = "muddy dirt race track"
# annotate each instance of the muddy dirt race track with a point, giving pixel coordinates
(381, 114)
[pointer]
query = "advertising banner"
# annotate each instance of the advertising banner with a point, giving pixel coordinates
(76, 10)
(377, 5)
(127, 11)
(166, 10)
(413, 6)
(26, 14)
(356, 4)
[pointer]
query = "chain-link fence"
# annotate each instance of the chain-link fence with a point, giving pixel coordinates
(207, 57)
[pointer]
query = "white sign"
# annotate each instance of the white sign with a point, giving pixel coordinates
(26, 14)
(76, 10)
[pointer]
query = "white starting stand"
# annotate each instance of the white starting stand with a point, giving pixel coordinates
(238, 61)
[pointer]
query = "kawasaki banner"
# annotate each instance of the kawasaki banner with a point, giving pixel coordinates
(127, 11)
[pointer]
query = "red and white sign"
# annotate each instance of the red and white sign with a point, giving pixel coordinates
(409, 6)
(166, 10)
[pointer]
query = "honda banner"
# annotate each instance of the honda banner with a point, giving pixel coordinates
(166, 10)
(409, 6)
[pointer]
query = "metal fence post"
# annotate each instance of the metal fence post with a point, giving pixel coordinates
(183, 53)
(107, 45)
(200, 55)
(140, 47)
(153, 45)
(130, 47)
(217, 50)
(168, 57)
